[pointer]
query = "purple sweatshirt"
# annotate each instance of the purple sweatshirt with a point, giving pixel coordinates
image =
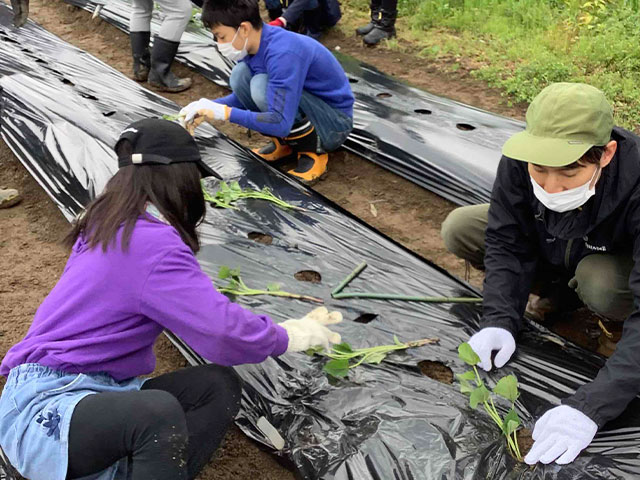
(107, 310)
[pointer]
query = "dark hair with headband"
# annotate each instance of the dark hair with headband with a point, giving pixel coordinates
(174, 189)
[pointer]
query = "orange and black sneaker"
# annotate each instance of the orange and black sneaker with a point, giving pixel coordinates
(312, 167)
(275, 150)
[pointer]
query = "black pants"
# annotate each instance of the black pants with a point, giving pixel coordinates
(168, 430)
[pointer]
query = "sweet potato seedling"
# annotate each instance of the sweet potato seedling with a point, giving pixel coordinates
(236, 286)
(229, 193)
(507, 388)
(171, 118)
(344, 357)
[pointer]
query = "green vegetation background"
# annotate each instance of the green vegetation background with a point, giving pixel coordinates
(520, 46)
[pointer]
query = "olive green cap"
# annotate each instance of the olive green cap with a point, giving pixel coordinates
(563, 122)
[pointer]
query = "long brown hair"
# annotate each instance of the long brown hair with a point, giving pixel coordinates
(174, 189)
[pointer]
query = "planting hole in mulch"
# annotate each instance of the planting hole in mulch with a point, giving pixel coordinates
(384, 95)
(308, 276)
(436, 370)
(89, 96)
(260, 237)
(422, 111)
(525, 442)
(109, 113)
(66, 81)
(366, 317)
(353, 80)
(465, 127)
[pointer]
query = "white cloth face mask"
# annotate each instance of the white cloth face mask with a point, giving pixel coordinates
(568, 199)
(231, 52)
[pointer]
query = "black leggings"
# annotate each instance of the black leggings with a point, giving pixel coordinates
(168, 430)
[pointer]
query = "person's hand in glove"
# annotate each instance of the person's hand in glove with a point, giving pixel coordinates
(560, 435)
(311, 330)
(197, 112)
(278, 22)
(490, 339)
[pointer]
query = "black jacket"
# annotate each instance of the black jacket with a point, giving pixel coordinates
(522, 233)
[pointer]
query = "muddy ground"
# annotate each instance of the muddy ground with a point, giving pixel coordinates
(31, 257)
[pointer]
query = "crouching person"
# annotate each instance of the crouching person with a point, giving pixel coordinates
(564, 219)
(286, 86)
(74, 404)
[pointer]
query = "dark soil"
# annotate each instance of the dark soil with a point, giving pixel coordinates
(525, 442)
(436, 370)
(260, 238)
(308, 276)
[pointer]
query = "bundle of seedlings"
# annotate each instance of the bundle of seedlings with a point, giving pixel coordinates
(236, 286)
(229, 193)
(343, 357)
(507, 388)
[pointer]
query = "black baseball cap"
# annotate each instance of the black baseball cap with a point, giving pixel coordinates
(161, 142)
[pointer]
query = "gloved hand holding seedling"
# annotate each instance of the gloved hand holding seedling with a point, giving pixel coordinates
(230, 193)
(507, 387)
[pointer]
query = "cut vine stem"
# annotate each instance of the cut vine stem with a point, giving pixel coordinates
(348, 280)
(407, 298)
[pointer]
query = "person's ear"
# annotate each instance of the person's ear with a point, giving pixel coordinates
(245, 28)
(609, 151)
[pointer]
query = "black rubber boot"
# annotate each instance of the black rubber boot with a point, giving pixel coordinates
(160, 75)
(375, 18)
(385, 28)
(141, 55)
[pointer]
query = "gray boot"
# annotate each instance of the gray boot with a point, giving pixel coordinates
(375, 18)
(141, 55)
(384, 29)
(160, 75)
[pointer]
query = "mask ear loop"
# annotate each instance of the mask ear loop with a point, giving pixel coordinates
(595, 178)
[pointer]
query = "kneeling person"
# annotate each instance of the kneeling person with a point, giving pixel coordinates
(286, 86)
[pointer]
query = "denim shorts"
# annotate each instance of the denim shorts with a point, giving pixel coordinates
(35, 413)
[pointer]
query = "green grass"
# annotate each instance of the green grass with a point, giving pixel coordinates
(520, 46)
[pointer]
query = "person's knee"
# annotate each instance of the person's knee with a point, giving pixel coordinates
(161, 409)
(454, 231)
(226, 385)
(258, 87)
(599, 287)
(240, 76)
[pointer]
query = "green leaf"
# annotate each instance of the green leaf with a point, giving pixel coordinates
(337, 368)
(235, 187)
(273, 287)
(467, 355)
(396, 340)
(343, 347)
(224, 272)
(507, 387)
(479, 395)
(466, 387)
(375, 357)
(171, 118)
(235, 273)
(511, 422)
(468, 375)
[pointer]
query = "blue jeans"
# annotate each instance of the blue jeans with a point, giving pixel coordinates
(332, 125)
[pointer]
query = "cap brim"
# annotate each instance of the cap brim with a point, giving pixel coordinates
(548, 152)
(207, 171)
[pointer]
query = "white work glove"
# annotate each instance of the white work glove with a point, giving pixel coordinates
(561, 433)
(489, 339)
(197, 112)
(311, 331)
